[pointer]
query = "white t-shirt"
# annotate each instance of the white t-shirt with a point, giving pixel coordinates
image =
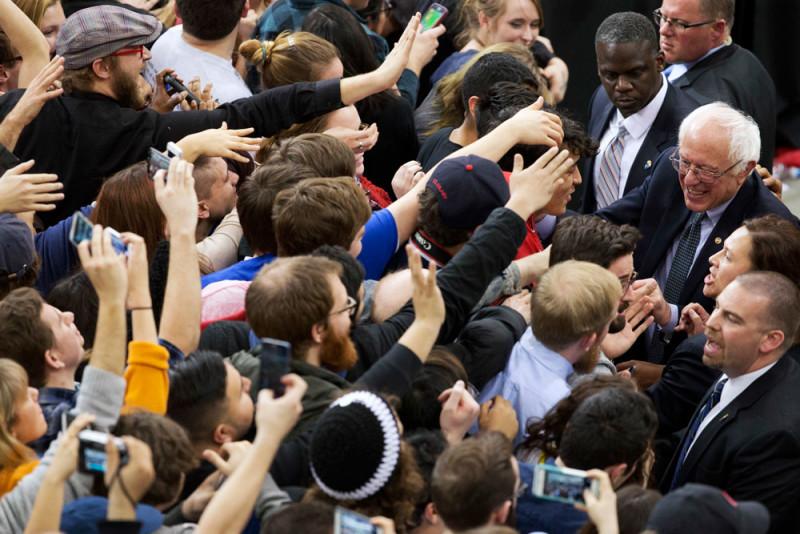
(171, 51)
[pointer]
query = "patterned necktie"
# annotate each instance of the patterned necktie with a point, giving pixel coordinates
(711, 401)
(683, 260)
(607, 183)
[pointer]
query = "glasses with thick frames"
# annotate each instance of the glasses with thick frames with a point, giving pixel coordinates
(627, 281)
(132, 51)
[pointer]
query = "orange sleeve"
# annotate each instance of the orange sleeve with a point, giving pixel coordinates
(147, 378)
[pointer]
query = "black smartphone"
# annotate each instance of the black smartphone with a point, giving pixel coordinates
(82, 228)
(349, 522)
(172, 85)
(92, 457)
(274, 355)
(156, 162)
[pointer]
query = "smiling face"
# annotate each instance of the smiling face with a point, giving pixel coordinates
(707, 147)
(347, 117)
(630, 74)
(518, 23)
(728, 263)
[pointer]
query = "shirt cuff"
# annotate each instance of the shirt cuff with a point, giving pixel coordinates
(673, 320)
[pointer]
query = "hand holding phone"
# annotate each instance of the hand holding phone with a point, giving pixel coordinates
(173, 85)
(433, 16)
(82, 229)
(274, 355)
(562, 484)
(349, 522)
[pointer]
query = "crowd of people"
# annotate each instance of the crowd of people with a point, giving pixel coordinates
(264, 266)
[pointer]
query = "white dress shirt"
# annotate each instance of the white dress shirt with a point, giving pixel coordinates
(677, 70)
(732, 389)
(638, 125)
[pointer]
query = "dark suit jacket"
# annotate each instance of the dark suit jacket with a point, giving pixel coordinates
(734, 75)
(662, 135)
(657, 208)
(752, 448)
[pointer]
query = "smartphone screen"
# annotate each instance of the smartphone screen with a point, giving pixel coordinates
(433, 16)
(274, 356)
(82, 230)
(561, 484)
(156, 162)
(348, 522)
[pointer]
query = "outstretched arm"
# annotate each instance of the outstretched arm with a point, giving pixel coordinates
(27, 39)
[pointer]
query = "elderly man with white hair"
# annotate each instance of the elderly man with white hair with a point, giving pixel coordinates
(698, 193)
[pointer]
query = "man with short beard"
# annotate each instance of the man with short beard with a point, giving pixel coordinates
(98, 126)
(571, 310)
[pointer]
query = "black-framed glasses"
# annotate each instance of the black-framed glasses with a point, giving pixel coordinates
(679, 25)
(703, 174)
(351, 307)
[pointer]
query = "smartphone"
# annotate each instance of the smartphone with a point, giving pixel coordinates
(92, 457)
(433, 16)
(82, 229)
(348, 522)
(156, 162)
(172, 85)
(274, 355)
(562, 483)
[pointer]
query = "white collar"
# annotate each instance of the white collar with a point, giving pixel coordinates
(640, 122)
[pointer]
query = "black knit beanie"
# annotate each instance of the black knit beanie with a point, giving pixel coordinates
(355, 447)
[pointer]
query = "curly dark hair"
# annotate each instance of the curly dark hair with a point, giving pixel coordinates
(592, 239)
(397, 500)
(545, 434)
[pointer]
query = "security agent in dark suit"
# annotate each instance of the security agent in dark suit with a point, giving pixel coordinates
(695, 39)
(745, 435)
(635, 95)
(695, 198)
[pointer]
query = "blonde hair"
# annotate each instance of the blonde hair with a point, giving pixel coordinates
(34, 9)
(13, 386)
(291, 57)
(470, 21)
(448, 97)
(573, 299)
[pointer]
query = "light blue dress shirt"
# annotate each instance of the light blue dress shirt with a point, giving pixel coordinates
(533, 381)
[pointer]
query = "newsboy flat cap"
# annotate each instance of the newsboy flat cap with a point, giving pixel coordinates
(99, 31)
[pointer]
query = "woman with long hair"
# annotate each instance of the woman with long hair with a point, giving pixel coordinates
(21, 422)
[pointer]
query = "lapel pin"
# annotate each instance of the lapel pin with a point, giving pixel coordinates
(724, 416)
(648, 164)
(717, 240)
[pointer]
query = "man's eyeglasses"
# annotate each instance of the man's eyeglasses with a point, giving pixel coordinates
(679, 25)
(351, 307)
(627, 281)
(133, 51)
(703, 174)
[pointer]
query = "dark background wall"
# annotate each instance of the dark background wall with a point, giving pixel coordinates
(770, 28)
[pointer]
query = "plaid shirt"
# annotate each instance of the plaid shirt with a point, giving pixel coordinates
(289, 15)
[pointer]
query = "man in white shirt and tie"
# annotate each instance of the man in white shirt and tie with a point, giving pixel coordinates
(634, 115)
(745, 436)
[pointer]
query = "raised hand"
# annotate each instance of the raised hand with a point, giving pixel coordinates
(392, 67)
(498, 415)
(532, 126)
(162, 101)
(358, 140)
(104, 266)
(233, 452)
(693, 319)
(532, 188)
(44, 86)
(65, 460)
(406, 177)
(638, 319)
(137, 475)
(426, 297)
(220, 142)
(459, 412)
(206, 96)
(602, 509)
(276, 417)
(177, 198)
(647, 290)
(424, 48)
(20, 192)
